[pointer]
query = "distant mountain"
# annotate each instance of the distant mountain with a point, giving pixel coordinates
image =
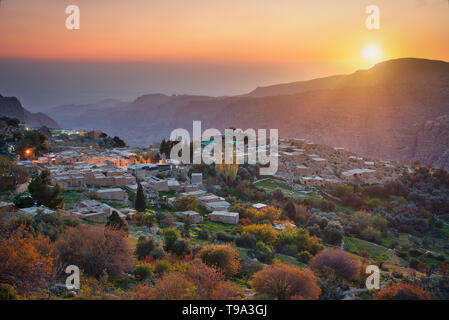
(391, 111)
(11, 107)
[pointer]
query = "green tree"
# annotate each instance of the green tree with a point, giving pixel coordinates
(43, 193)
(114, 222)
(290, 210)
(140, 204)
(145, 246)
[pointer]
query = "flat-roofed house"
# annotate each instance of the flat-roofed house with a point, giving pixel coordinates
(259, 206)
(224, 217)
(217, 205)
(112, 194)
(197, 178)
(193, 215)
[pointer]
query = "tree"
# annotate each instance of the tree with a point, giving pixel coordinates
(95, 249)
(186, 227)
(170, 237)
(263, 232)
(185, 203)
(182, 247)
(140, 204)
(114, 222)
(171, 286)
(145, 245)
(403, 291)
(282, 281)
(333, 233)
(43, 193)
(224, 257)
(205, 277)
(336, 260)
(290, 210)
(26, 263)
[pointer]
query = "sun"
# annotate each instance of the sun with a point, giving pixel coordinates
(372, 53)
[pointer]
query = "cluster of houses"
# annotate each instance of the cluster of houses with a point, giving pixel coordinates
(319, 165)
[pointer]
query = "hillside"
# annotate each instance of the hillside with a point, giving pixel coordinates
(11, 107)
(376, 112)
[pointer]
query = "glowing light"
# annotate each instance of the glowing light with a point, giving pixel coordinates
(372, 52)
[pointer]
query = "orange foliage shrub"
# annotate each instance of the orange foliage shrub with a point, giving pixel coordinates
(221, 256)
(204, 277)
(403, 291)
(172, 286)
(94, 249)
(226, 290)
(26, 263)
(283, 282)
(337, 260)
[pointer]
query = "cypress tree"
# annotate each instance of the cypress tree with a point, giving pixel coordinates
(141, 204)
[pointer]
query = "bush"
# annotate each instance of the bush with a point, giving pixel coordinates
(162, 266)
(300, 238)
(23, 200)
(336, 260)
(304, 256)
(185, 203)
(281, 281)
(95, 250)
(182, 247)
(342, 190)
(7, 292)
(145, 246)
(223, 257)
(204, 234)
(143, 271)
(333, 233)
(263, 252)
(373, 203)
(403, 291)
(158, 253)
(246, 240)
(224, 237)
(263, 232)
(170, 237)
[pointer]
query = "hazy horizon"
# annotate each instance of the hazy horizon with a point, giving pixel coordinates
(196, 47)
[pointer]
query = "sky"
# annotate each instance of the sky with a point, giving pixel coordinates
(125, 48)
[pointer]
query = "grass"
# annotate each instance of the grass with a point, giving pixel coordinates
(376, 252)
(271, 184)
(72, 197)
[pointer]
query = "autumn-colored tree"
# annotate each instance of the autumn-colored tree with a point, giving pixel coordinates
(403, 291)
(226, 290)
(221, 256)
(263, 232)
(185, 203)
(171, 286)
(335, 260)
(26, 263)
(205, 277)
(95, 249)
(269, 213)
(300, 238)
(282, 281)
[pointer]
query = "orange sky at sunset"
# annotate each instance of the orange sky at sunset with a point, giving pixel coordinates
(276, 31)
